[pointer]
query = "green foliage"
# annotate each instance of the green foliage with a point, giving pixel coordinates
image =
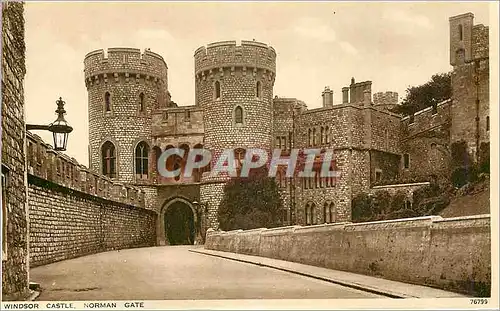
(381, 203)
(464, 170)
(398, 201)
(459, 155)
(425, 192)
(362, 208)
(484, 158)
(426, 95)
(249, 203)
(464, 175)
(428, 200)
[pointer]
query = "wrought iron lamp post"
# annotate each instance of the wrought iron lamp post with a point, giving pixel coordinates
(60, 128)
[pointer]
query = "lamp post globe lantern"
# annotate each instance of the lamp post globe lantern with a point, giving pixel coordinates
(60, 128)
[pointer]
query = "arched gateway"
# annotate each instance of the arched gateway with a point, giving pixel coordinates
(177, 223)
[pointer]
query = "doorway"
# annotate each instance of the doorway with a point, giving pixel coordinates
(179, 224)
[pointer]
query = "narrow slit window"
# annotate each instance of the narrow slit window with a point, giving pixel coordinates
(258, 90)
(109, 160)
(141, 102)
(238, 115)
(217, 90)
(107, 101)
(406, 160)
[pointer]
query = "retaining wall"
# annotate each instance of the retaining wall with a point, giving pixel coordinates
(452, 254)
(66, 223)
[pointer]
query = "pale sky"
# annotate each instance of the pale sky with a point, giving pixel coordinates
(318, 44)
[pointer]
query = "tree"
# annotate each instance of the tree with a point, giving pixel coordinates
(249, 203)
(426, 95)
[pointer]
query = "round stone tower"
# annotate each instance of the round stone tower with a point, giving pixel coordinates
(124, 87)
(234, 88)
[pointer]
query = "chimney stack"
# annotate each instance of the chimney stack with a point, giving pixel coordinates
(345, 95)
(327, 97)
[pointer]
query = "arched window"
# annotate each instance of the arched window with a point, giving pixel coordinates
(108, 154)
(198, 172)
(177, 165)
(141, 102)
(327, 135)
(460, 32)
(258, 90)
(309, 138)
(311, 211)
(157, 154)
(314, 137)
(307, 215)
(239, 157)
(332, 213)
(238, 115)
(141, 160)
(326, 216)
(217, 90)
(107, 101)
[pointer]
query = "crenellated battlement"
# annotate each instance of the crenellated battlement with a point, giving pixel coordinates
(46, 163)
(386, 99)
(426, 119)
(249, 56)
(104, 65)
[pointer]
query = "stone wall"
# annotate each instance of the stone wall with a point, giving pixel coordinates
(179, 122)
(470, 82)
(65, 224)
(58, 168)
(452, 254)
(426, 138)
(14, 208)
(125, 74)
(407, 189)
(75, 212)
(231, 78)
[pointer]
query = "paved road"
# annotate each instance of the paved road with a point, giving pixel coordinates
(172, 272)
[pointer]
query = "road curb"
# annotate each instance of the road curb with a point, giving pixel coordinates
(357, 286)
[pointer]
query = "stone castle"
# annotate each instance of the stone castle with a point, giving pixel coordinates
(54, 208)
(132, 120)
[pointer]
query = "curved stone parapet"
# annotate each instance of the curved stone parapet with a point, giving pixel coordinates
(224, 54)
(124, 60)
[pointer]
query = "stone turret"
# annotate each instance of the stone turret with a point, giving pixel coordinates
(124, 87)
(234, 88)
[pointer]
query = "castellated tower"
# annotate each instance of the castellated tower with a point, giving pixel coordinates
(124, 86)
(469, 56)
(234, 88)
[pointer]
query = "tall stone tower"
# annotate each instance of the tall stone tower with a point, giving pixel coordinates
(234, 88)
(469, 56)
(124, 87)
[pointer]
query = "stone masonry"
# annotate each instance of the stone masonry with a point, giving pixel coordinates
(372, 145)
(75, 212)
(15, 264)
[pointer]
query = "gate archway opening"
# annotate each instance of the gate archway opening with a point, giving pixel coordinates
(179, 224)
